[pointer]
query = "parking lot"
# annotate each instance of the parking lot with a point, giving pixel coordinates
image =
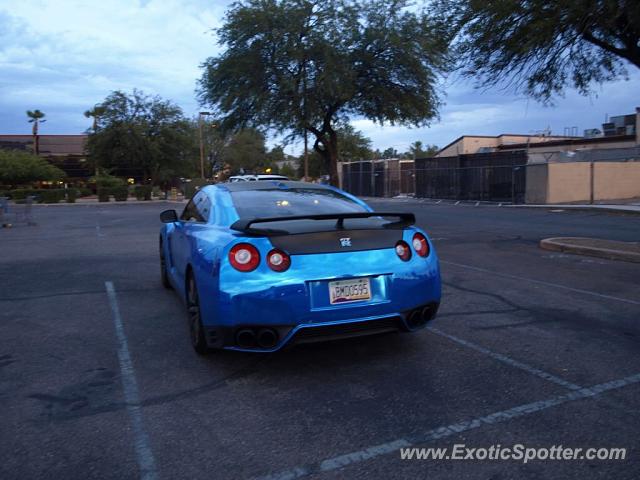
(98, 379)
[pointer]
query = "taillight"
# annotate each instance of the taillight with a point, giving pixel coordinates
(278, 260)
(403, 250)
(420, 244)
(244, 257)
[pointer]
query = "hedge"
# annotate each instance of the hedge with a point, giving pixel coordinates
(120, 193)
(143, 192)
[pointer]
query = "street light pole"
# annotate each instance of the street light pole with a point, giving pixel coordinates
(306, 158)
(200, 121)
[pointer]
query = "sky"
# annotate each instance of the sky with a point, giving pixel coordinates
(65, 56)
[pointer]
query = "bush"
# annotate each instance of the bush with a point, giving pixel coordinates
(103, 195)
(120, 193)
(72, 194)
(143, 192)
(53, 195)
(84, 192)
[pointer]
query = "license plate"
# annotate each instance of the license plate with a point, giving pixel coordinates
(353, 290)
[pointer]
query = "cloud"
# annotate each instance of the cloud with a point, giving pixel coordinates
(65, 56)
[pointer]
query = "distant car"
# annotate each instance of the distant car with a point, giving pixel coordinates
(261, 265)
(253, 178)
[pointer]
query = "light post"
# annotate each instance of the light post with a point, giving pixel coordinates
(201, 116)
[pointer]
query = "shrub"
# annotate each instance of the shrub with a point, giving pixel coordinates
(120, 193)
(143, 192)
(53, 195)
(84, 192)
(72, 194)
(103, 195)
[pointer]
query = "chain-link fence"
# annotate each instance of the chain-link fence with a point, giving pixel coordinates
(508, 177)
(496, 177)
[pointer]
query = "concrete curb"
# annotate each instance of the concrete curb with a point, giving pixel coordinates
(609, 249)
(631, 209)
(102, 204)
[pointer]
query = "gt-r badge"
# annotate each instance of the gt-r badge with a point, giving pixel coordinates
(345, 242)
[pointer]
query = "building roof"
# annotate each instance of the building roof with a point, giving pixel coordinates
(50, 144)
(568, 141)
(502, 135)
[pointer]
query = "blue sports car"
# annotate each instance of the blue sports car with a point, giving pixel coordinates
(261, 265)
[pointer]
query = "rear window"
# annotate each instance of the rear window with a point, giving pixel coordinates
(298, 201)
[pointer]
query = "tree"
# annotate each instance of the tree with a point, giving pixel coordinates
(95, 113)
(246, 151)
(138, 134)
(542, 46)
(418, 150)
(296, 65)
(352, 144)
(36, 117)
(390, 153)
(20, 168)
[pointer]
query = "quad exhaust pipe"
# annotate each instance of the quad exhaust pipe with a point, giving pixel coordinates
(420, 316)
(263, 338)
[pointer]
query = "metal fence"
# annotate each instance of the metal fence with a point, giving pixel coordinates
(499, 177)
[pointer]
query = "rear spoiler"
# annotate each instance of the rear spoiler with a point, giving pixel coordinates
(245, 224)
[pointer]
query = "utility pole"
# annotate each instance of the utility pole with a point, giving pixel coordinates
(306, 157)
(200, 122)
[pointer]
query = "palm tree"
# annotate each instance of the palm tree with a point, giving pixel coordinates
(96, 112)
(35, 117)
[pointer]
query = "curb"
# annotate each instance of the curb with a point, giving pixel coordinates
(103, 204)
(565, 245)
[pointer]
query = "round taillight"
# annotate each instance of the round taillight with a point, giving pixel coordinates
(403, 250)
(244, 257)
(278, 260)
(420, 244)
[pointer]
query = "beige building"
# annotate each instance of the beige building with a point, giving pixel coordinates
(469, 144)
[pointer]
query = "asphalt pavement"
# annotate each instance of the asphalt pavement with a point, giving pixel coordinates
(531, 347)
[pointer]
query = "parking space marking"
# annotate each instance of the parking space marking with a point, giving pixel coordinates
(509, 361)
(341, 461)
(541, 282)
(144, 455)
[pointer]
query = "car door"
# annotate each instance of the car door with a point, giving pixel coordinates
(180, 241)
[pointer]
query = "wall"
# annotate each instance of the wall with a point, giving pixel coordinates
(568, 182)
(616, 180)
(537, 180)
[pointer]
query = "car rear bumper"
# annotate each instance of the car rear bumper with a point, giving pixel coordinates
(238, 338)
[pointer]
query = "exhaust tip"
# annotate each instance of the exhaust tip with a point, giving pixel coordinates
(245, 338)
(427, 314)
(267, 338)
(415, 319)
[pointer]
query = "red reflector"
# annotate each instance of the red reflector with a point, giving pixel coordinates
(278, 260)
(403, 250)
(420, 245)
(244, 257)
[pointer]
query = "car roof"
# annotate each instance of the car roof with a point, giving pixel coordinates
(270, 185)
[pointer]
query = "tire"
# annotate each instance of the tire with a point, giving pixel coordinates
(164, 276)
(196, 331)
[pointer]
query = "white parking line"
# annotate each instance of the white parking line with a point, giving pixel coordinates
(507, 360)
(450, 430)
(540, 282)
(144, 455)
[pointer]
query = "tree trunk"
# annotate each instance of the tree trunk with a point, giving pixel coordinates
(332, 148)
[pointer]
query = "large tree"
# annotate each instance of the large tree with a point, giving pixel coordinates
(22, 168)
(308, 65)
(542, 46)
(141, 133)
(246, 151)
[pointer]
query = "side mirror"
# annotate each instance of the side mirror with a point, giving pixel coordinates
(169, 216)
